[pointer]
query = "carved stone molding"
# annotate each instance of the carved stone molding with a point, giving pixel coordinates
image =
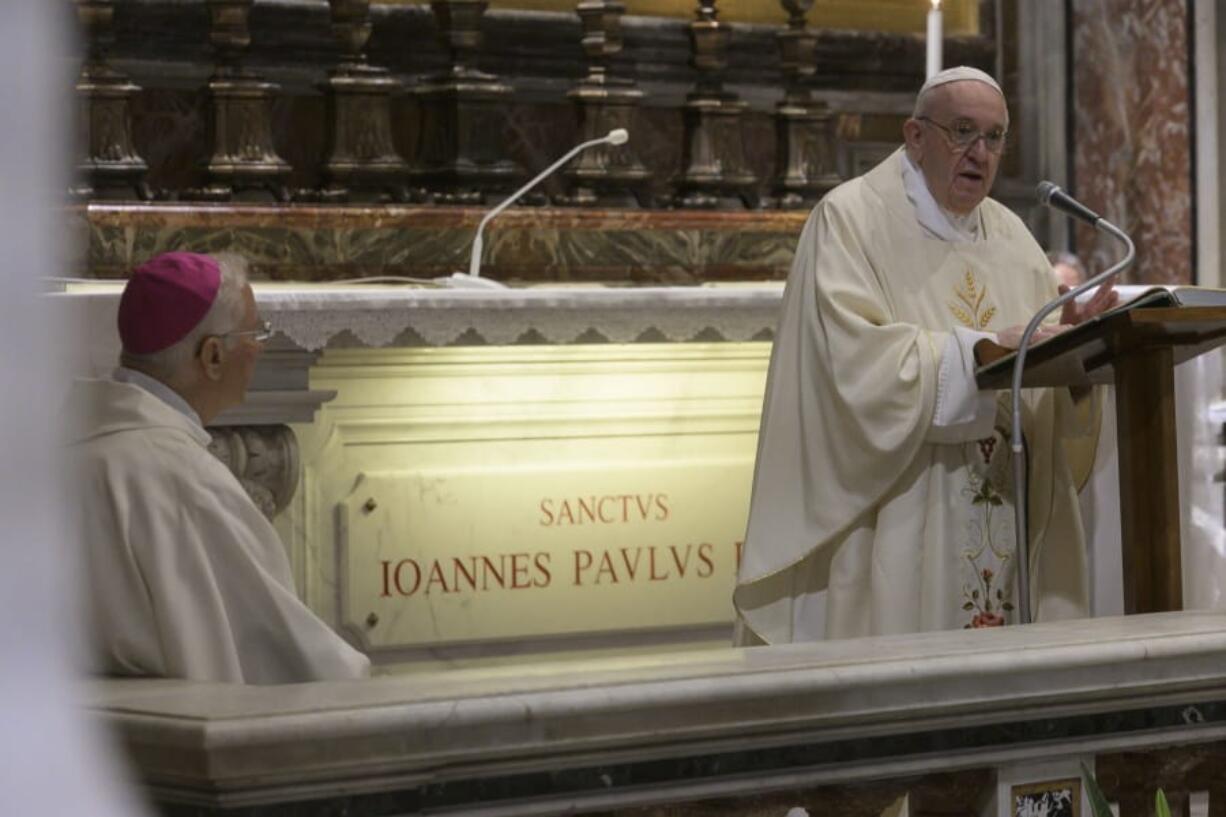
(242, 161)
(714, 170)
(362, 163)
(109, 165)
(605, 175)
(461, 154)
(265, 460)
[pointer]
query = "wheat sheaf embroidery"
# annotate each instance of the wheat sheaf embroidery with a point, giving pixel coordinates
(970, 309)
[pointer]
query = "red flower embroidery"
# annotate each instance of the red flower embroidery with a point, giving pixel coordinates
(987, 620)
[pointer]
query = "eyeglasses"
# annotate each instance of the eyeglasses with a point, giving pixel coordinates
(963, 135)
(258, 335)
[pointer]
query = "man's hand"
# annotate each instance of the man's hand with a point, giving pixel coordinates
(1008, 339)
(1011, 337)
(1103, 299)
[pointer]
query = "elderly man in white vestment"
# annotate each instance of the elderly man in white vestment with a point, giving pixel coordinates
(882, 497)
(188, 578)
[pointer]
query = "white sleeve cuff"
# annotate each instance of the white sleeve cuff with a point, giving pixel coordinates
(963, 412)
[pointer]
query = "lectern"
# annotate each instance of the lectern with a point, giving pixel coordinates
(1136, 347)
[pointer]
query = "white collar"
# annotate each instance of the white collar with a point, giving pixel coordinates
(934, 218)
(159, 390)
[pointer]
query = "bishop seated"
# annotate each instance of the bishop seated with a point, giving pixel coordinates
(189, 579)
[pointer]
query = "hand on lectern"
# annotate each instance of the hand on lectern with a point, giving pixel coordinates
(1011, 337)
(1104, 298)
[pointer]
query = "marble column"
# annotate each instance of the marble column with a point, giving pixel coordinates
(1132, 151)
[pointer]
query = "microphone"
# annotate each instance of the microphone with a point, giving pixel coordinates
(1052, 196)
(618, 136)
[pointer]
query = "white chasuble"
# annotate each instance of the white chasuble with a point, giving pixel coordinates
(187, 578)
(861, 521)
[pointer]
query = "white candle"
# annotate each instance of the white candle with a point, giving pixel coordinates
(934, 38)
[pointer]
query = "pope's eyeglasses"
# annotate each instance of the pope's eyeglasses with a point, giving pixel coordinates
(963, 134)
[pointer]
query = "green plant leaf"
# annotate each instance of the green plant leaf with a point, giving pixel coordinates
(1098, 800)
(1161, 807)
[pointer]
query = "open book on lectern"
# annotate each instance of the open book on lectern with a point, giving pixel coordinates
(1147, 295)
(1082, 355)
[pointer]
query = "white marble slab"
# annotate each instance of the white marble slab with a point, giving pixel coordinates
(253, 745)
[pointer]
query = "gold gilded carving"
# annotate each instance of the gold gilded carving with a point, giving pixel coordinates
(362, 162)
(804, 125)
(605, 175)
(242, 157)
(108, 165)
(461, 153)
(714, 171)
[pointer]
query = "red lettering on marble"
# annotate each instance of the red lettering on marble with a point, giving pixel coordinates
(459, 570)
(606, 566)
(681, 564)
(600, 510)
(519, 570)
(436, 577)
(416, 577)
(651, 560)
(542, 566)
(583, 561)
(632, 567)
(704, 556)
(499, 573)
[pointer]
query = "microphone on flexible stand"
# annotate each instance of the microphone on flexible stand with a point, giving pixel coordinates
(618, 136)
(1052, 196)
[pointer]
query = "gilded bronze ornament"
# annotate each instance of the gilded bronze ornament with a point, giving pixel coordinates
(461, 156)
(713, 160)
(804, 125)
(242, 159)
(361, 161)
(109, 166)
(605, 175)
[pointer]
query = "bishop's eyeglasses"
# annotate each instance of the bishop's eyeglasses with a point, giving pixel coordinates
(260, 335)
(963, 134)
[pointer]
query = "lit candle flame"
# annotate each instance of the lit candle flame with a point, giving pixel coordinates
(936, 5)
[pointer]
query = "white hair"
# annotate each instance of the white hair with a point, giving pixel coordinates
(225, 315)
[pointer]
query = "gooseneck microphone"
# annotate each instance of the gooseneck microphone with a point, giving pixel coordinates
(618, 136)
(1051, 196)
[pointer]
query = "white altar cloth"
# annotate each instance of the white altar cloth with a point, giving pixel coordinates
(315, 316)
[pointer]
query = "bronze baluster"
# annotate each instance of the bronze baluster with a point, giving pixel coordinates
(605, 175)
(804, 125)
(242, 160)
(715, 173)
(109, 165)
(361, 162)
(461, 152)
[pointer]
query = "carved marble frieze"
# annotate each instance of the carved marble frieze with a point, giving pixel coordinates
(264, 459)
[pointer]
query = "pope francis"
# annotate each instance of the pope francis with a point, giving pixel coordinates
(188, 578)
(882, 495)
